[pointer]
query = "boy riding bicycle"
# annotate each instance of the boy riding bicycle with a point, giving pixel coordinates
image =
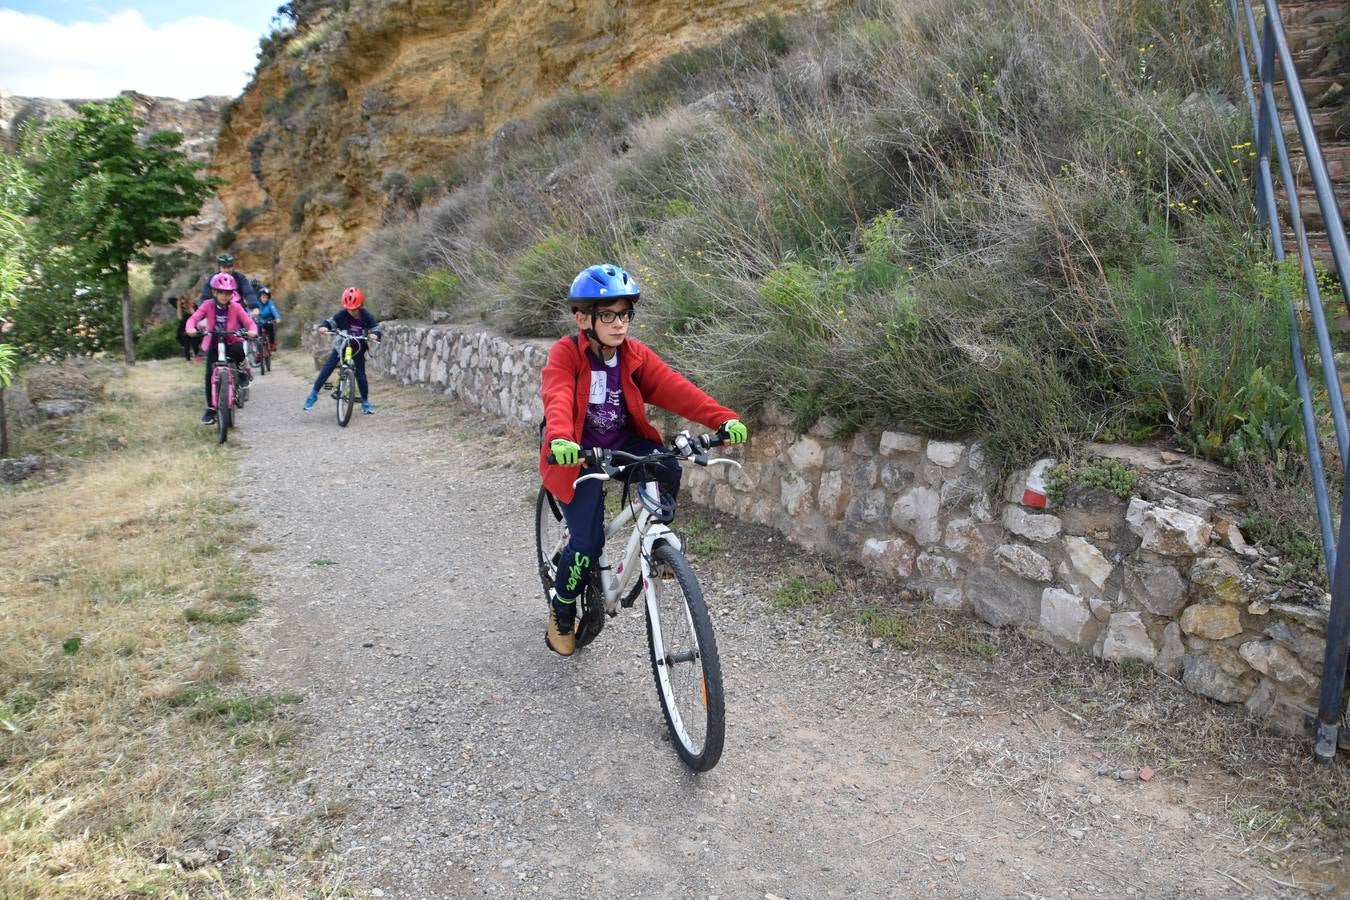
(596, 396)
(359, 323)
(267, 316)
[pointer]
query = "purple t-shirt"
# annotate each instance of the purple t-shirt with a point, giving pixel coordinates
(606, 423)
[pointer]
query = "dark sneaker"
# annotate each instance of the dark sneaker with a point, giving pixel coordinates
(209, 417)
(560, 636)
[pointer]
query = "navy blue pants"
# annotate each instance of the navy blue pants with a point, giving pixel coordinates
(585, 517)
(358, 362)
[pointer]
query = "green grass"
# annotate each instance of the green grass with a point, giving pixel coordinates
(237, 608)
(895, 628)
(796, 593)
(241, 710)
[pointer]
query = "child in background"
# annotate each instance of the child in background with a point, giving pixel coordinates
(358, 322)
(222, 312)
(267, 316)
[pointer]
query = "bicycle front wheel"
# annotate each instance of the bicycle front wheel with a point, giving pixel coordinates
(346, 394)
(684, 660)
(223, 405)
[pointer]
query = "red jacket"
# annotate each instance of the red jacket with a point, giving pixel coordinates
(645, 378)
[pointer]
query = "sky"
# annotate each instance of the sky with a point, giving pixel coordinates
(166, 48)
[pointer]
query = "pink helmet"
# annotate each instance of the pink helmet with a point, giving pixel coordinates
(223, 281)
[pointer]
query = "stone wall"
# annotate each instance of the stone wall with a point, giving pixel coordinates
(1162, 578)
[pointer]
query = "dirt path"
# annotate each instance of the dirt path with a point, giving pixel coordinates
(471, 761)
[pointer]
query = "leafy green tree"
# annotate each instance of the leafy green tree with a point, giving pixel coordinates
(13, 199)
(102, 198)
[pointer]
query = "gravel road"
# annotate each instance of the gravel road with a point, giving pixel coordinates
(404, 607)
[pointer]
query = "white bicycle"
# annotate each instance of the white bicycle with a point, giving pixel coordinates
(680, 638)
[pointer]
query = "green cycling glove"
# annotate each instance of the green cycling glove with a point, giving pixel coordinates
(735, 431)
(565, 453)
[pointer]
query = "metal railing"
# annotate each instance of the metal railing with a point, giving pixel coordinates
(1270, 47)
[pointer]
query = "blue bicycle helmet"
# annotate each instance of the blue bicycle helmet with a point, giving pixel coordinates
(598, 284)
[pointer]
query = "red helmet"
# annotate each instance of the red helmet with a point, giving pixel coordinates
(352, 298)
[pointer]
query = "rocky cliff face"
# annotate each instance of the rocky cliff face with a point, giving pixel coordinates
(198, 121)
(368, 99)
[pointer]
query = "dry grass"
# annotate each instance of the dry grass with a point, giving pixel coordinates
(123, 716)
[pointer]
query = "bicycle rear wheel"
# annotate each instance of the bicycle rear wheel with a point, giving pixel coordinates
(224, 411)
(685, 664)
(346, 394)
(550, 536)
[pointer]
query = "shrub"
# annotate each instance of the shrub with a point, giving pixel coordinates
(536, 284)
(159, 342)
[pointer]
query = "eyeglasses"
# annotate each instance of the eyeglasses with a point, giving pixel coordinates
(609, 316)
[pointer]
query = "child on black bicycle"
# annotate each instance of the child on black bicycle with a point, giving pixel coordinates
(359, 323)
(267, 316)
(223, 312)
(596, 385)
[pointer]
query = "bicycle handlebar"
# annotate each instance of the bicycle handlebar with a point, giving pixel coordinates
(612, 463)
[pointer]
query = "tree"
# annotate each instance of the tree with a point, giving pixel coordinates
(13, 199)
(103, 198)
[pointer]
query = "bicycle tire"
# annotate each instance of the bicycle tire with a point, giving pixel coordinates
(346, 393)
(223, 411)
(550, 535)
(550, 532)
(705, 704)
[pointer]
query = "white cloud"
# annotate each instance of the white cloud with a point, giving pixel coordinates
(192, 57)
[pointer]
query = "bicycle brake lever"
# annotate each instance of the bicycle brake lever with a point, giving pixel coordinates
(720, 459)
(598, 476)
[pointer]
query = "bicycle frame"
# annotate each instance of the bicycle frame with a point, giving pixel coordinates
(222, 360)
(617, 582)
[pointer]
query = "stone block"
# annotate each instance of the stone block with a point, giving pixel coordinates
(949, 596)
(1003, 600)
(866, 509)
(1022, 560)
(894, 443)
(862, 476)
(1211, 621)
(917, 513)
(894, 557)
(1127, 638)
(932, 565)
(1169, 658)
(1134, 514)
(963, 536)
(1031, 526)
(833, 495)
(1066, 616)
(724, 498)
(1102, 609)
(864, 444)
(1280, 663)
(895, 477)
(806, 454)
(1173, 532)
(1088, 561)
(1204, 677)
(945, 453)
(1218, 577)
(796, 493)
(1154, 583)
